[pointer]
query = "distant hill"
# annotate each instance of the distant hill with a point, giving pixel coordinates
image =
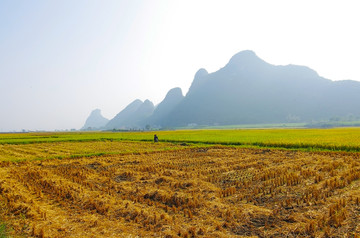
(250, 90)
(162, 111)
(95, 121)
(247, 90)
(133, 116)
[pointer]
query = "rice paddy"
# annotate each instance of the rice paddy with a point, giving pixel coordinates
(110, 185)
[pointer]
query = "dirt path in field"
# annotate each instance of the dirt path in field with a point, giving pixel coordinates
(203, 192)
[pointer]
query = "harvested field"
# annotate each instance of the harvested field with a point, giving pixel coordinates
(58, 150)
(191, 192)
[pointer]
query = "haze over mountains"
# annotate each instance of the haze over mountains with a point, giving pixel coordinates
(247, 90)
(95, 120)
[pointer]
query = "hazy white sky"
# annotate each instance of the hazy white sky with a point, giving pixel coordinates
(59, 60)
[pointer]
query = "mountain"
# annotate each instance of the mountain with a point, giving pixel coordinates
(161, 112)
(132, 116)
(122, 117)
(247, 90)
(250, 90)
(95, 121)
(139, 118)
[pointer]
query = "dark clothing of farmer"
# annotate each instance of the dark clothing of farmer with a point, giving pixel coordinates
(156, 139)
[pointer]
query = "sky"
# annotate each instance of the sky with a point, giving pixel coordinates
(59, 60)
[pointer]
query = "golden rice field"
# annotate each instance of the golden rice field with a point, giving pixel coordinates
(68, 149)
(335, 139)
(138, 189)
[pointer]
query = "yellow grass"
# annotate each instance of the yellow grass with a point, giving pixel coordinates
(190, 192)
(36, 151)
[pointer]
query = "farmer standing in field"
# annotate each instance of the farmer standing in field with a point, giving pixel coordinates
(156, 139)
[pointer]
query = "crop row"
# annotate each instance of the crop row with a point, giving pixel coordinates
(59, 150)
(193, 192)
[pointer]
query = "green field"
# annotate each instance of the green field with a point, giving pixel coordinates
(337, 139)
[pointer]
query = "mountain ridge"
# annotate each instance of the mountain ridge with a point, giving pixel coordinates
(248, 90)
(132, 116)
(95, 121)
